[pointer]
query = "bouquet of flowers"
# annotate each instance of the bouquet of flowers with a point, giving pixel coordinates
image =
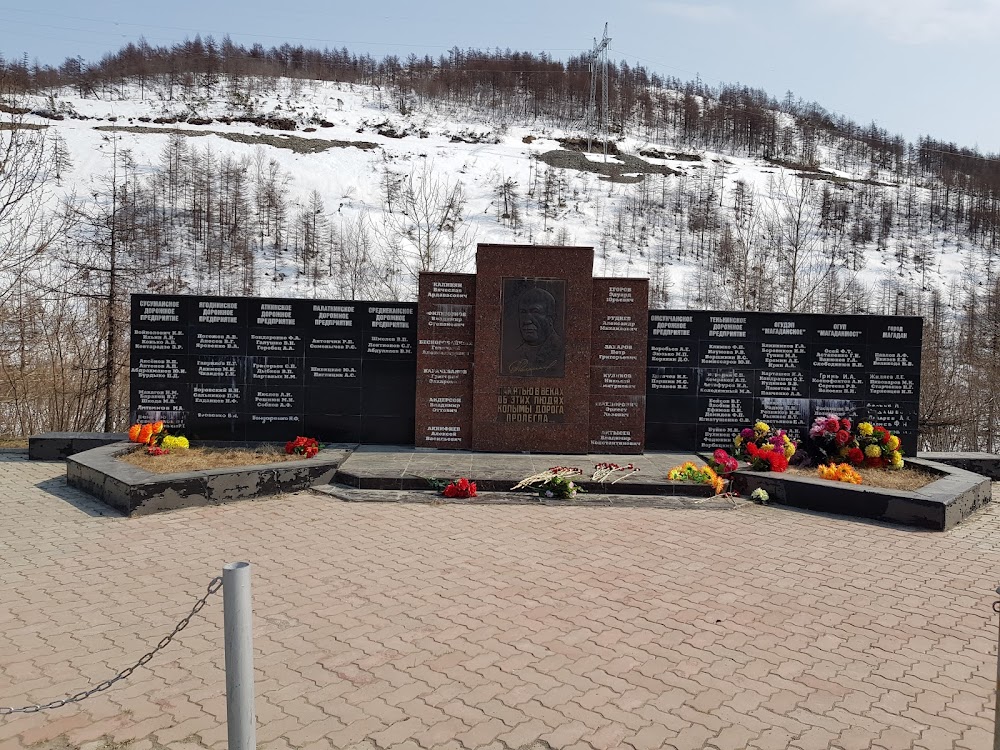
(302, 446)
(688, 472)
(835, 439)
(722, 463)
(765, 449)
(461, 488)
(170, 442)
(157, 440)
(604, 471)
(881, 447)
(553, 483)
(143, 433)
(839, 473)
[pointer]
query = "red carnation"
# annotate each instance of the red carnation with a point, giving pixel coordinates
(777, 461)
(843, 437)
(856, 456)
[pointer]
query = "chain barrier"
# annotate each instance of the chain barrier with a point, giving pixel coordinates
(214, 585)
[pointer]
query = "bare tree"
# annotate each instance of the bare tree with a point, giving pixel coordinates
(805, 261)
(427, 226)
(28, 226)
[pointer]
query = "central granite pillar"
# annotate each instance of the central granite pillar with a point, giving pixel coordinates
(532, 353)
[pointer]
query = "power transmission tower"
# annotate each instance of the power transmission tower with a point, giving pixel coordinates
(598, 67)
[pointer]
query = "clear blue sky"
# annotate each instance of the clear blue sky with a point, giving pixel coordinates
(913, 66)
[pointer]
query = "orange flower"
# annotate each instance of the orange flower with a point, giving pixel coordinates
(145, 433)
(133, 433)
(158, 427)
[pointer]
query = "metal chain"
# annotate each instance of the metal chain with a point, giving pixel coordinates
(214, 585)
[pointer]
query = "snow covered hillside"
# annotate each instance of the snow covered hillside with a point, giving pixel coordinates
(646, 208)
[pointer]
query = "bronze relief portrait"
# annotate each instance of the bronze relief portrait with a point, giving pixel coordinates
(532, 326)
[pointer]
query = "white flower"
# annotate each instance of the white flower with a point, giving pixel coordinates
(548, 493)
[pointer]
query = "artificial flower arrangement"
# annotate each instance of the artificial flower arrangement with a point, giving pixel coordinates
(835, 439)
(461, 488)
(157, 440)
(839, 473)
(689, 472)
(302, 446)
(143, 432)
(722, 463)
(765, 449)
(760, 496)
(554, 483)
(604, 471)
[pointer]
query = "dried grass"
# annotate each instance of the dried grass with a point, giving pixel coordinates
(908, 478)
(6, 441)
(198, 459)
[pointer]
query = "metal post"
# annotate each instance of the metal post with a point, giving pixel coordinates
(996, 708)
(238, 626)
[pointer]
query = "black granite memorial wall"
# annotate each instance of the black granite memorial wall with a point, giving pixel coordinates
(710, 374)
(255, 370)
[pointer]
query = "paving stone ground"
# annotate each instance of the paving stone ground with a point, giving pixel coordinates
(418, 626)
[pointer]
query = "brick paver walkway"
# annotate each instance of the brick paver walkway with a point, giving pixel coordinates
(416, 626)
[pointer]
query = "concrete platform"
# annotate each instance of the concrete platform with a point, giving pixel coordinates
(58, 446)
(380, 467)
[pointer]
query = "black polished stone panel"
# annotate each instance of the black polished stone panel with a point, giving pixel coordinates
(223, 368)
(782, 368)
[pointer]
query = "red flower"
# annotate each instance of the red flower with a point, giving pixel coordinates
(462, 488)
(832, 425)
(845, 424)
(856, 456)
(777, 460)
(843, 437)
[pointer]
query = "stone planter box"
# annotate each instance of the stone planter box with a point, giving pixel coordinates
(135, 491)
(940, 505)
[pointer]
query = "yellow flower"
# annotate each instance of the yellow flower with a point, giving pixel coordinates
(766, 447)
(788, 440)
(897, 463)
(171, 442)
(893, 443)
(761, 428)
(737, 441)
(844, 451)
(866, 429)
(789, 451)
(873, 451)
